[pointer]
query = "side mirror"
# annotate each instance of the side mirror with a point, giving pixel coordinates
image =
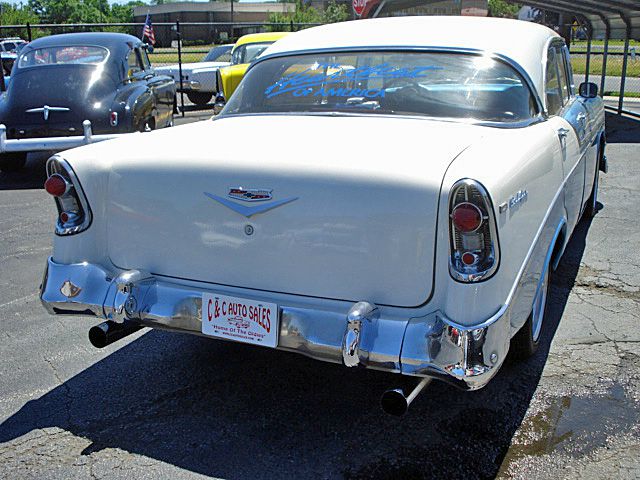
(150, 48)
(219, 104)
(588, 90)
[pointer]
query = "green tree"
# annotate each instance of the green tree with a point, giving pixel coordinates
(307, 14)
(503, 9)
(16, 15)
(335, 13)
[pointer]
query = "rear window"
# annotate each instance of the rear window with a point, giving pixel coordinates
(445, 85)
(87, 55)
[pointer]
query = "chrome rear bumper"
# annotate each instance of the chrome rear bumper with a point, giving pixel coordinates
(359, 334)
(45, 144)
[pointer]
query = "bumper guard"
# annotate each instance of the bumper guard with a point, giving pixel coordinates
(429, 346)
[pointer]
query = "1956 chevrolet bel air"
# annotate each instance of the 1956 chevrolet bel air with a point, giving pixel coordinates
(427, 177)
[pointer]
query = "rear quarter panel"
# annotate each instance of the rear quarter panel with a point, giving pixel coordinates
(504, 162)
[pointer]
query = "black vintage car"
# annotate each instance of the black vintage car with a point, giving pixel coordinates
(59, 81)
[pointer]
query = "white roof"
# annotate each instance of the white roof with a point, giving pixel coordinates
(522, 42)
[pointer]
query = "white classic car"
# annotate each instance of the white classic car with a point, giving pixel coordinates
(199, 78)
(408, 186)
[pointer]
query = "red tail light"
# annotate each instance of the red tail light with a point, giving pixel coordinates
(466, 217)
(56, 185)
(474, 237)
(74, 214)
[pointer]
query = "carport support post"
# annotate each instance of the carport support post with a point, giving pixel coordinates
(588, 64)
(625, 58)
(28, 31)
(605, 53)
(179, 35)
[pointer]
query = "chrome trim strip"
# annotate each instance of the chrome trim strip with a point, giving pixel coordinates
(246, 210)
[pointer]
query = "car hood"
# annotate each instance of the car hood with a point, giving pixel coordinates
(352, 212)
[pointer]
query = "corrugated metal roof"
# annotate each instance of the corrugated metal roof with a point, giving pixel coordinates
(619, 17)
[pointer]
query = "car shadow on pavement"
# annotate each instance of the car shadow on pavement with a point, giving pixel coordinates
(236, 411)
(622, 128)
(30, 177)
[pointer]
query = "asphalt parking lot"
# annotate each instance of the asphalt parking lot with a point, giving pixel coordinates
(163, 405)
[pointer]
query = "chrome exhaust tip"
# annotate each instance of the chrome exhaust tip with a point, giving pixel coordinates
(109, 332)
(395, 402)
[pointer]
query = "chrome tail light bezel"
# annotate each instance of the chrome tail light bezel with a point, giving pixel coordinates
(490, 251)
(74, 201)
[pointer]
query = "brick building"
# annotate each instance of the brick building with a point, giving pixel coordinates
(206, 12)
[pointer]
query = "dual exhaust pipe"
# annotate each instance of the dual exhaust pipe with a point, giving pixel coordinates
(108, 332)
(394, 402)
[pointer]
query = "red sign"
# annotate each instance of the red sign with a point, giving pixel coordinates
(358, 6)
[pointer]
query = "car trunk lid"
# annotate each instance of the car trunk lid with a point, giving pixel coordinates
(352, 212)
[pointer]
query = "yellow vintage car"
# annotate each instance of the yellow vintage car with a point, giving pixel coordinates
(246, 49)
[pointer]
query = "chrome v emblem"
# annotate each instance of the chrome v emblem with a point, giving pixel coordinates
(249, 210)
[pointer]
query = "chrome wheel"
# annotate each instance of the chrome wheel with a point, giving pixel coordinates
(539, 304)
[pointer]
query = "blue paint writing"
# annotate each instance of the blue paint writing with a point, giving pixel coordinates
(315, 77)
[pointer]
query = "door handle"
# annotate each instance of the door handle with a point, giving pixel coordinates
(562, 132)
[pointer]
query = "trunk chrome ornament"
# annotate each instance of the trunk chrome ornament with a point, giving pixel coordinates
(250, 194)
(246, 210)
(46, 109)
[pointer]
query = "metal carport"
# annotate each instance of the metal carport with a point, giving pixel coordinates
(603, 19)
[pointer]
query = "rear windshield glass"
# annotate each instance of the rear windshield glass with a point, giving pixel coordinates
(63, 55)
(219, 54)
(446, 85)
(248, 52)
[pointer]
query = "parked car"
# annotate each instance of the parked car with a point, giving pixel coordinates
(62, 80)
(199, 79)
(9, 48)
(246, 50)
(400, 206)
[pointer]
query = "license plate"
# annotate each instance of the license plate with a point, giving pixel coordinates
(239, 319)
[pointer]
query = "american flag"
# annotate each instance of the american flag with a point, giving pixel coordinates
(147, 31)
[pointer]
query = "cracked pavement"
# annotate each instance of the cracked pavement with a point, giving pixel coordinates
(158, 404)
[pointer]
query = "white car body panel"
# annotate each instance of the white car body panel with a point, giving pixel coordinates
(369, 220)
(204, 73)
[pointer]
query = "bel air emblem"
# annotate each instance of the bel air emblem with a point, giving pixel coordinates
(249, 195)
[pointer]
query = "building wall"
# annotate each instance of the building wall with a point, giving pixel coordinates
(205, 12)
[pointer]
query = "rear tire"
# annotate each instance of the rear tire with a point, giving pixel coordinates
(591, 208)
(12, 162)
(526, 342)
(199, 98)
(147, 125)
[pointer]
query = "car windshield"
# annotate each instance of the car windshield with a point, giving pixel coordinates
(219, 54)
(445, 85)
(88, 55)
(248, 52)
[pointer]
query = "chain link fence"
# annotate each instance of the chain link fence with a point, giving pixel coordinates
(614, 67)
(179, 44)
